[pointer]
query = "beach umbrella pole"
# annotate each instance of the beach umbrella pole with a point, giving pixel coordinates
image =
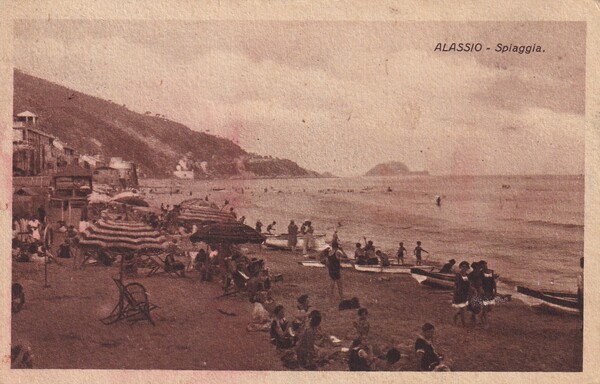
(46, 285)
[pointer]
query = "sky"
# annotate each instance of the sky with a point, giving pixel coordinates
(339, 96)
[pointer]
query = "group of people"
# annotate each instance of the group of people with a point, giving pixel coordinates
(301, 342)
(369, 255)
(474, 291)
(306, 230)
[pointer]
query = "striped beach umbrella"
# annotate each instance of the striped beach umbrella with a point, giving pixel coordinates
(203, 215)
(191, 203)
(227, 233)
(122, 235)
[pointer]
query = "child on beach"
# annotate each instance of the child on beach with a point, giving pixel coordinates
(271, 227)
(401, 252)
(362, 325)
(418, 251)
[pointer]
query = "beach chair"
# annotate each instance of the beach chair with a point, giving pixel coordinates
(157, 265)
(133, 304)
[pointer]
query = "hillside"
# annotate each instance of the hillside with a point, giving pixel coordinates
(95, 126)
(392, 168)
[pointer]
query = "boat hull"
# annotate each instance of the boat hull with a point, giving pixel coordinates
(556, 302)
(390, 269)
(281, 242)
(317, 264)
(432, 279)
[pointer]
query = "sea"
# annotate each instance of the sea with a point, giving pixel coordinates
(529, 229)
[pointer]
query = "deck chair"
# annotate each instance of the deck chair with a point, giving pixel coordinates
(157, 265)
(240, 281)
(133, 304)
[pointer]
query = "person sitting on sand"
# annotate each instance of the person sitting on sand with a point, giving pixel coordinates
(302, 312)
(261, 319)
(172, 265)
(271, 227)
(401, 253)
(384, 259)
(462, 287)
(362, 325)
(447, 268)
(358, 357)
(427, 357)
(64, 250)
(392, 356)
(359, 255)
(308, 349)
(418, 251)
(292, 235)
(281, 332)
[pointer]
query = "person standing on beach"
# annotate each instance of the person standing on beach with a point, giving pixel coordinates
(401, 253)
(488, 284)
(418, 251)
(334, 267)
(335, 240)
(308, 237)
(462, 287)
(476, 294)
(292, 235)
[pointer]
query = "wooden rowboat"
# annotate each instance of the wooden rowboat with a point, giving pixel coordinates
(559, 302)
(433, 279)
(281, 242)
(317, 264)
(394, 268)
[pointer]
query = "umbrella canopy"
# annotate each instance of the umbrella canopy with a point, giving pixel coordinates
(98, 198)
(125, 194)
(120, 235)
(132, 200)
(228, 233)
(191, 203)
(203, 215)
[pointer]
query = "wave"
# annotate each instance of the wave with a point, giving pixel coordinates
(552, 224)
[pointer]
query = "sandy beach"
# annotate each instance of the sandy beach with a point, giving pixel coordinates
(62, 323)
